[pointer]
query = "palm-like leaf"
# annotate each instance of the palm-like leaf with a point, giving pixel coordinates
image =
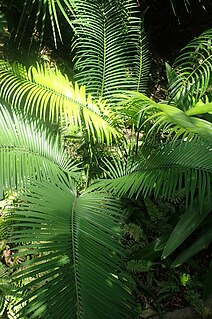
(111, 53)
(40, 12)
(50, 95)
(190, 76)
(170, 119)
(189, 221)
(167, 169)
(77, 240)
(28, 152)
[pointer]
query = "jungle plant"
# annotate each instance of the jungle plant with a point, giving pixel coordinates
(75, 239)
(174, 155)
(70, 244)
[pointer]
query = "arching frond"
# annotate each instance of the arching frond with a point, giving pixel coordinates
(110, 45)
(50, 95)
(75, 273)
(29, 152)
(190, 76)
(168, 118)
(38, 12)
(166, 169)
(189, 221)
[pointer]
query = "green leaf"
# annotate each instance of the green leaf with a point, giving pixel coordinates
(193, 68)
(3, 22)
(200, 109)
(75, 271)
(166, 118)
(110, 44)
(138, 266)
(39, 13)
(30, 152)
(153, 250)
(49, 95)
(165, 170)
(201, 243)
(188, 222)
(170, 73)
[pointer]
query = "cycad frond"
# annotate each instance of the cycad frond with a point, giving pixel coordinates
(111, 52)
(75, 273)
(38, 12)
(168, 118)
(28, 152)
(169, 168)
(190, 76)
(50, 95)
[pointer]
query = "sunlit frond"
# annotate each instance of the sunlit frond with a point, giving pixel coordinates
(48, 94)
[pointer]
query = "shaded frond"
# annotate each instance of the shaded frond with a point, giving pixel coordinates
(75, 273)
(190, 76)
(187, 224)
(111, 52)
(166, 169)
(38, 12)
(29, 152)
(51, 96)
(203, 241)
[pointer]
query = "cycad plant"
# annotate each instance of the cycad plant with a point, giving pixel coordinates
(65, 240)
(75, 241)
(174, 154)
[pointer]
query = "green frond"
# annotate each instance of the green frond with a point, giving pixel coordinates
(168, 118)
(202, 242)
(181, 124)
(29, 152)
(117, 166)
(189, 221)
(166, 169)
(38, 12)
(48, 94)
(76, 242)
(110, 45)
(190, 76)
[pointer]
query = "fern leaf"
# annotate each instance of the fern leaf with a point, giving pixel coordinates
(137, 266)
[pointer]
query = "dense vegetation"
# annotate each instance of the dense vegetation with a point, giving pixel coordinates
(105, 187)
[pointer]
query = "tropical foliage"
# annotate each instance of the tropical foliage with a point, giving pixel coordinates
(67, 251)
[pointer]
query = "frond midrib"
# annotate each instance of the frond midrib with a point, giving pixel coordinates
(74, 255)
